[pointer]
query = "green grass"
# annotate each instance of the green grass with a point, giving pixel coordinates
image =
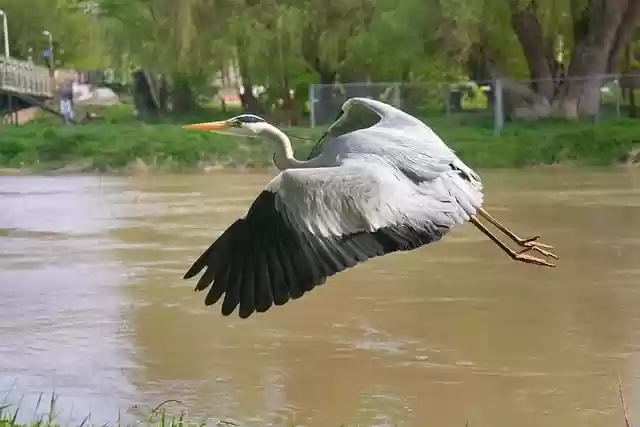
(50, 417)
(545, 143)
(111, 144)
(111, 147)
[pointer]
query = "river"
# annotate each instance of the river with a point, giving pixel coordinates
(93, 307)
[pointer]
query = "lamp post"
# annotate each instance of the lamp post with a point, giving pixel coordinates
(5, 33)
(47, 34)
(3, 82)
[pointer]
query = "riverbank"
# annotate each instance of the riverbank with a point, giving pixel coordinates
(157, 417)
(134, 147)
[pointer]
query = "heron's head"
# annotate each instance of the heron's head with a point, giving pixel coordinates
(242, 125)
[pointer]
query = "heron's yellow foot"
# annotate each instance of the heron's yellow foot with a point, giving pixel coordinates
(532, 241)
(531, 244)
(539, 250)
(531, 260)
(528, 244)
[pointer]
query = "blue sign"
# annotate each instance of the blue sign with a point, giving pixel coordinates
(46, 53)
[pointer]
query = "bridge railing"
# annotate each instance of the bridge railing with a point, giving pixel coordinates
(25, 77)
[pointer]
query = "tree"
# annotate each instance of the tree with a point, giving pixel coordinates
(594, 32)
(630, 80)
(180, 40)
(282, 45)
(76, 34)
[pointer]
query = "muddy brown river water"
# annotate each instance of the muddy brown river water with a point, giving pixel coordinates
(92, 305)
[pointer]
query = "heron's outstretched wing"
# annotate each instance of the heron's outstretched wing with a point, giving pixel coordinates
(309, 224)
(353, 116)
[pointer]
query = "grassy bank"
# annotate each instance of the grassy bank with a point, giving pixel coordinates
(112, 147)
(47, 414)
(50, 418)
(118, 144)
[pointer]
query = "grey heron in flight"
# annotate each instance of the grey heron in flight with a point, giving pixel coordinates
(378, 181)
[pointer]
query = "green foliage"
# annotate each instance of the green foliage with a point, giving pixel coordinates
(283, 46)
(110, 147)
(165, 36)
(546, 143)
(158, 417)
(76, 34)
(166, 146)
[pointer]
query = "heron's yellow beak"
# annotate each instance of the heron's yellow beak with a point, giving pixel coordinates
(209, 126)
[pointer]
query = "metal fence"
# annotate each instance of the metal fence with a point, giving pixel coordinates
(488, 104)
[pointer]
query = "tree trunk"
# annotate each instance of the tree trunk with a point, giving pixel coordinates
(602, 21)
(250, 103)
(629, 81)
(323, 102)
(182, 97)
(143, 96)
(601, 30)
(288, 104)
(163, 94)
(526, 25)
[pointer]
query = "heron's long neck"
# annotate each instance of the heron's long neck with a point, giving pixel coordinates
(284, 153)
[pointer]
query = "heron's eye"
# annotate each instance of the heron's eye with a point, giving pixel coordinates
(236, 123)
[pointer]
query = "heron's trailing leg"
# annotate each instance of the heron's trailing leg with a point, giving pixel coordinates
(513, 254)
(527, 244)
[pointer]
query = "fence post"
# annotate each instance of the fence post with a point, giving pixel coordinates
(446, 94)
(3, 81)
(312, 106)
(10, 106)
(498, 109)
(618, 97)
(397, 99)
(596, 118)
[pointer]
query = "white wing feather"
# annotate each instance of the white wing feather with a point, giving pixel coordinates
(359, 196)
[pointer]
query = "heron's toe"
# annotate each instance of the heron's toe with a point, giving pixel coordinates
(532, 260)
(539, 250)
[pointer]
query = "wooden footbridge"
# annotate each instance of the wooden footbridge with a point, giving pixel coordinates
(22, 85)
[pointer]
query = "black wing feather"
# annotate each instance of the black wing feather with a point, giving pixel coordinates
(260, 261)
(277, 275)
